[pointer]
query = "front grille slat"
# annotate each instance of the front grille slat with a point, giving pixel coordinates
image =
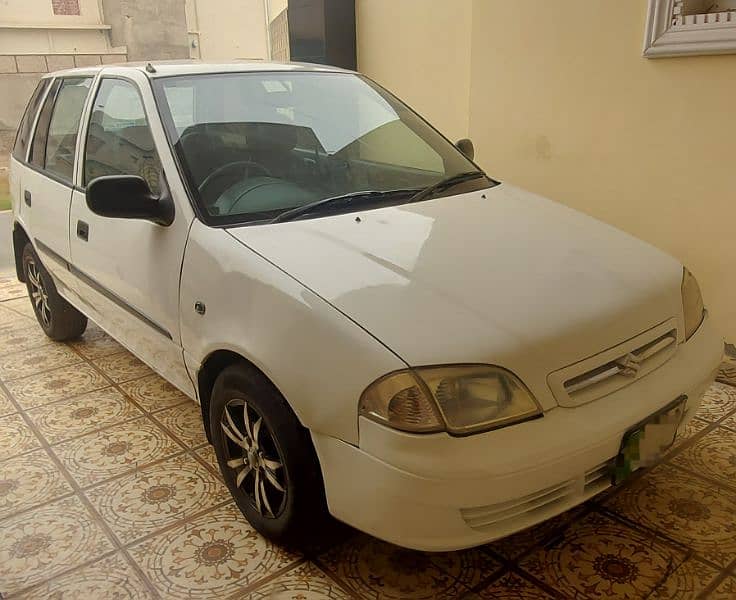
(539, 505)
(612, 375)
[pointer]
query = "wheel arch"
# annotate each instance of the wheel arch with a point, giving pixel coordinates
(215, 362)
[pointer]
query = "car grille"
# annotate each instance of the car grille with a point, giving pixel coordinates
(526, 511)
(614, 369)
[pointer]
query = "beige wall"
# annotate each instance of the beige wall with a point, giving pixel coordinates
(275, 7)
(229, 29)
(40, 12)
(44, 36)
(563, 103)
(420, 50)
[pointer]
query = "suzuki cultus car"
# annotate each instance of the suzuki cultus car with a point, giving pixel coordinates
(373, 327)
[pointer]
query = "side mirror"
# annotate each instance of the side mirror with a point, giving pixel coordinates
(129, 197)
(466, 147)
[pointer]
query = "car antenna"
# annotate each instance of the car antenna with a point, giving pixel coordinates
(150, 68)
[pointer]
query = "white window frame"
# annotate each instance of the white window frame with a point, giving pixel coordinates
(667, 35)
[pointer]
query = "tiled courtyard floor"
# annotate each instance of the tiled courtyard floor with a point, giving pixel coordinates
(108, 489)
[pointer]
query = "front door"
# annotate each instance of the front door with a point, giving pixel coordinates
(129, 269)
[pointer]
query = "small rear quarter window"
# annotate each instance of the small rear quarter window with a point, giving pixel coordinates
(23, 137)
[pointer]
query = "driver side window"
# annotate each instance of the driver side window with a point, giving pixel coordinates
(119, 140)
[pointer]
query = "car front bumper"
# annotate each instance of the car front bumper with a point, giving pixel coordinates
(438, 492)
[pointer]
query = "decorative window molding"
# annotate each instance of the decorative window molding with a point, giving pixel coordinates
(682, 27)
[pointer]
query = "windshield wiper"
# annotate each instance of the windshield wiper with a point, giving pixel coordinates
(446, 183)
(294, 213)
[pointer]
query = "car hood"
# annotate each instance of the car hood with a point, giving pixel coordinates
(498, 276)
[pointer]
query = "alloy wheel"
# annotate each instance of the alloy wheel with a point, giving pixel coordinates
(251, 451)
(39, 296)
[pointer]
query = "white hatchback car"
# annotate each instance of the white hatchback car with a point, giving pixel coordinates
(373, 327)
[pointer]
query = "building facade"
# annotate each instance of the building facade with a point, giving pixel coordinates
(38, 36)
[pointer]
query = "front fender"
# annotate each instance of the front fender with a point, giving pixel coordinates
(318, 358)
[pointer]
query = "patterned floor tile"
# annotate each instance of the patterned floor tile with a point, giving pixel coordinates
(598, 557)
(726, 590)
(15, 437)
(371, 568)
(11, 288)
(727, 373)
(37, 360)
(6, 406)
(97, 457)
(693, 428)
(24, 336)
(513, 546)
(122, 366)
(63, 420)
(207, 454)
(214, 555)
(690, 510)
(29, 480)
(36, 545)
(110, 578)
(95, 343)
(511, 586)
(718, 401)
(689, 580)
(713, 455)
(22, 306)
(185, 422)
(154, 393)
(730, 422)
(58, 384)
(304, 582)
(13, 319)
(144, 502)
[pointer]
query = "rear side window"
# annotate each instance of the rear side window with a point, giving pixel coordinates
(23, 136)
(64, 126)
(38, 147)
(119, 140)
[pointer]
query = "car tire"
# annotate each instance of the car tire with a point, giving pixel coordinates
(282, 457)
(59, 320)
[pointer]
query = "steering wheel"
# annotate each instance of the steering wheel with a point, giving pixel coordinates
(231, 169)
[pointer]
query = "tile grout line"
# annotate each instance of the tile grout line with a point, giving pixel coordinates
(713, 585)
(703, 478)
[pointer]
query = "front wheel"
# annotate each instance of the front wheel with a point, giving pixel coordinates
(266, 457)
(59, 320)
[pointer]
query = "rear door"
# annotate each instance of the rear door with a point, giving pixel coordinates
(128, 269)
(19, 155)
(47, 183)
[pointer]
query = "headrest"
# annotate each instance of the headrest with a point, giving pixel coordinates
(271, 136)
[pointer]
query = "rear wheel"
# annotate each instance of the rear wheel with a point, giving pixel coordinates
(58, 319)
(266, 457)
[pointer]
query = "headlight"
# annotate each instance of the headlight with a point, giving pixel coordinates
(460, 399)
(692, 303)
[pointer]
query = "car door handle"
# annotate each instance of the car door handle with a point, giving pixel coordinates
(82, 230)
(27, 197)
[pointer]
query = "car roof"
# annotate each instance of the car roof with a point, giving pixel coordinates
(168, 68)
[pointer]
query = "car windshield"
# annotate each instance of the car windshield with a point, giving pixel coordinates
(255, 145)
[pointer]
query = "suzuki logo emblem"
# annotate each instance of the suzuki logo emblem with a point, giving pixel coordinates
(629, 365)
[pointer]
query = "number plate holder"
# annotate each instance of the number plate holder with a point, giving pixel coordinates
(644, 444)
